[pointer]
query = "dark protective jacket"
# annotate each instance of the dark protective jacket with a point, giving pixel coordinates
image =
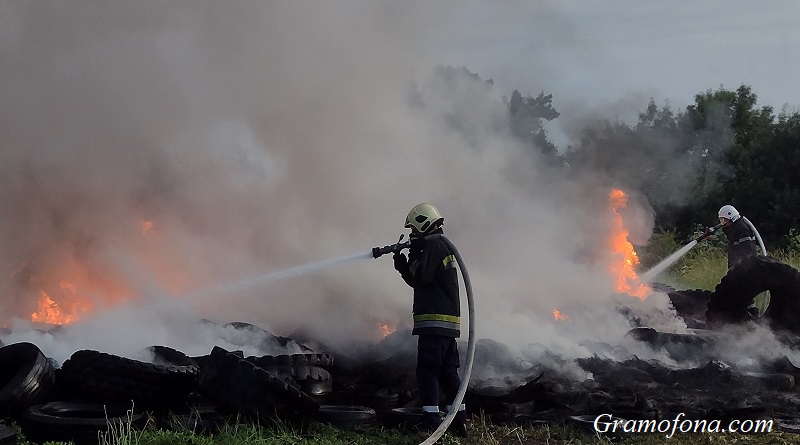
(741, 242)
(433, 275)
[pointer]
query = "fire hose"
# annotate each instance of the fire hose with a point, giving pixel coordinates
(762, 300)
(448, 418)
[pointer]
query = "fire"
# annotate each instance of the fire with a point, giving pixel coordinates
(559, 316)
(51, 312)
(147, 227)
(70, 289)
(385, 330)
(627, 280)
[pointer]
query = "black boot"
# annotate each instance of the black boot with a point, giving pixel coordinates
(430, 421)
(459, 424)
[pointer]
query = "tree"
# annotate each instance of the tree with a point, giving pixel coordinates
(527, 115)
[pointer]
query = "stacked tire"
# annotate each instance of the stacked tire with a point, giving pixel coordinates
(93, 376)
(80, 423)
(26, 378)
(306, 371)
(747, 279)
(239, 386)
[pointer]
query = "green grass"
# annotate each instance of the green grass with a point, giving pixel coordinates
(703, 266)
(481, 433)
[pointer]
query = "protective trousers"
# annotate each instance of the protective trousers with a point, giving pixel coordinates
(437, 367)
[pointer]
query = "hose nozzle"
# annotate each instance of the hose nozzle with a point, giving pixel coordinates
(391, 248)
(709, 231)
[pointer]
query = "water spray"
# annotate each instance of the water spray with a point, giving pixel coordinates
(448, 418)
(670, 260)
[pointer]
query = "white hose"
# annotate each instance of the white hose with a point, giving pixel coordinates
(762, 308)
(470, 351)
(758, 235)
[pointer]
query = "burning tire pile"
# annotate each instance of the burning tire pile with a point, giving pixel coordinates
(93, 389)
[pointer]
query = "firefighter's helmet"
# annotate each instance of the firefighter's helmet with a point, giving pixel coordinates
(728, 211)
(424, 218)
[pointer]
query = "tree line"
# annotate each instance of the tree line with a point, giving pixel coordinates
(722, 149)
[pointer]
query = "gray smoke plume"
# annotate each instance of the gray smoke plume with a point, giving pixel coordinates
(152, 151)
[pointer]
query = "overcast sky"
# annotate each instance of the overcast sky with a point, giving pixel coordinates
(616, 54)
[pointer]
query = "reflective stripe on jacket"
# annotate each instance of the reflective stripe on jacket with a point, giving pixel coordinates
(741, 242)
(434, 278)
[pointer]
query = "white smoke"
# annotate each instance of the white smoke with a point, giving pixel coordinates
(158, 150)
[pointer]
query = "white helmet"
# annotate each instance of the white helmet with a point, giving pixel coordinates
(423, 218)
(730, 212)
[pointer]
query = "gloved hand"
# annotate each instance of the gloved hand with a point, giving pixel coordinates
(400, 262)
(708, 232)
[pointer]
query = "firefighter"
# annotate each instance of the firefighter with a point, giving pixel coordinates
(741, 239)
(430, 270)
(741, 245)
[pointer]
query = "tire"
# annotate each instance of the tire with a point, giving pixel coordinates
(776, 381)
(305, 359)
(242, 387)
(26, 377)
(690, 303)
(754, 275)
(198, 419)
(7, 435)
(644, 334)
(347, 418)
(99, 377)
(313, 380)
(381, 401)
(408, 418)
(262, 338)
(787, 423)
(78, 422)
(174, 361)
(586, 423)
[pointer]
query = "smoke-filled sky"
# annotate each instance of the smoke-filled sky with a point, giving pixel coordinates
(612, 56)
(160, 153)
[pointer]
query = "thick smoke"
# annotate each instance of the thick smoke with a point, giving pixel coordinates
(155, 152)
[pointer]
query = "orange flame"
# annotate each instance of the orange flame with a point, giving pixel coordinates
(559, 316)
(50, 312)
(385, 330)
(627, 280)
(90, 283)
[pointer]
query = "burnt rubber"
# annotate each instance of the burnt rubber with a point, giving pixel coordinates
(381, 401)
(754, 275)
(27, 377)
(346, 417)
(304, 359)
(95, 376)
(240, 386)
(7, 435)
(408, 418)
(690, 302)
(313, 380)
(78, 422)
